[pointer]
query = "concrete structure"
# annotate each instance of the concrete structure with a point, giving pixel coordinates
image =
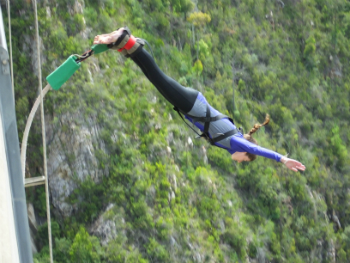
(8, 242)
(15, 243)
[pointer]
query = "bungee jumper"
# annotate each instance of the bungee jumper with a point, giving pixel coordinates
(217, 128)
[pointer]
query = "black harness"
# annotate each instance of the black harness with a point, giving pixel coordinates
(207, 120)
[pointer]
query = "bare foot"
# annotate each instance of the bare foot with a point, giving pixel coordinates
(108, 38)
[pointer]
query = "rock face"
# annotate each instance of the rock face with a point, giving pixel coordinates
(107, 229)
(71, 158)
(29, 46)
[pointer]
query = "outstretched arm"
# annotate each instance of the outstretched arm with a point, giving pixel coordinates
(242, 145)
(293, 165)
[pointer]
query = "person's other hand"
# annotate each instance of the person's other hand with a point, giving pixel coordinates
(293, 165)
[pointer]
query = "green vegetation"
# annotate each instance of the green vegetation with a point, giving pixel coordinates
(249, 58)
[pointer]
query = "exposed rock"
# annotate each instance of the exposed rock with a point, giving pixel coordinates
(171, 196)
(313, 201)
(79, 7)
(48, 12)
(197, 257)
(222, 225)
(95, 67)
(172, 181)
(336, 221)
(90, 76)
(150, 194)
(158, 126)
(261, 255)
(107, 229)
(173, 241)
(190, 245)
(29, 47)
(205, 157)
(154, 99)
(85, 34)
(170, 137)
(331, 252)
(71, 157)
(189, 141)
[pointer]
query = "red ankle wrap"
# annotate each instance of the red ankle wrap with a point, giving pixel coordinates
(131, 42)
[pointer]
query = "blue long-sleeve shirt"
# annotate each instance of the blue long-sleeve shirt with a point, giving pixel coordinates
(234, 143)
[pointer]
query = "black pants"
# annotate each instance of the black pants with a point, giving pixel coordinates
(181, 97)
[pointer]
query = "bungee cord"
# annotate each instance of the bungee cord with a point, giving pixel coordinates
(27, 128)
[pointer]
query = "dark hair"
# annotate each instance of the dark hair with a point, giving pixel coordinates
(250, 138)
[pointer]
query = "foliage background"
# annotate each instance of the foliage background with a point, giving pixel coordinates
(288, 59)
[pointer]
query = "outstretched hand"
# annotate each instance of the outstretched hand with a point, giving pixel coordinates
(293, 164)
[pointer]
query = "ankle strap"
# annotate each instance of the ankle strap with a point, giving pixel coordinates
(131, 42)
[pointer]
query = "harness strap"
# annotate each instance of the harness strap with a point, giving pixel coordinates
(207, 119)
(207, 123)
(178, 111)
(224, 136)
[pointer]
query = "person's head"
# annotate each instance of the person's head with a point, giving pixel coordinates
(245, 156)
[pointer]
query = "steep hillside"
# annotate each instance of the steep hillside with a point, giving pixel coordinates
(128, 181)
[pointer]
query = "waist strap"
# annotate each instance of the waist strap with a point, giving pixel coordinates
(207, 119)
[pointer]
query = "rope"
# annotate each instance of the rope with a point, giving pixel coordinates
(43, 133)
(27, 129)
(149, 46)
(10, 40)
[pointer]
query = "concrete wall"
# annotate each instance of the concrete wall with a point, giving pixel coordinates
(8, 242)
(15, 243)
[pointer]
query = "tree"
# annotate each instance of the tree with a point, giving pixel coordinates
(85, 249)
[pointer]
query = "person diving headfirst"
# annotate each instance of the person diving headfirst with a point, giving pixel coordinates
(217, 128)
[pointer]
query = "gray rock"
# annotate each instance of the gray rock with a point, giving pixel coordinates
(71, 158)
(105, 229)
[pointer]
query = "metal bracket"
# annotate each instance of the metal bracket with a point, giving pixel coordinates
(29, 182)
(4, 61)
